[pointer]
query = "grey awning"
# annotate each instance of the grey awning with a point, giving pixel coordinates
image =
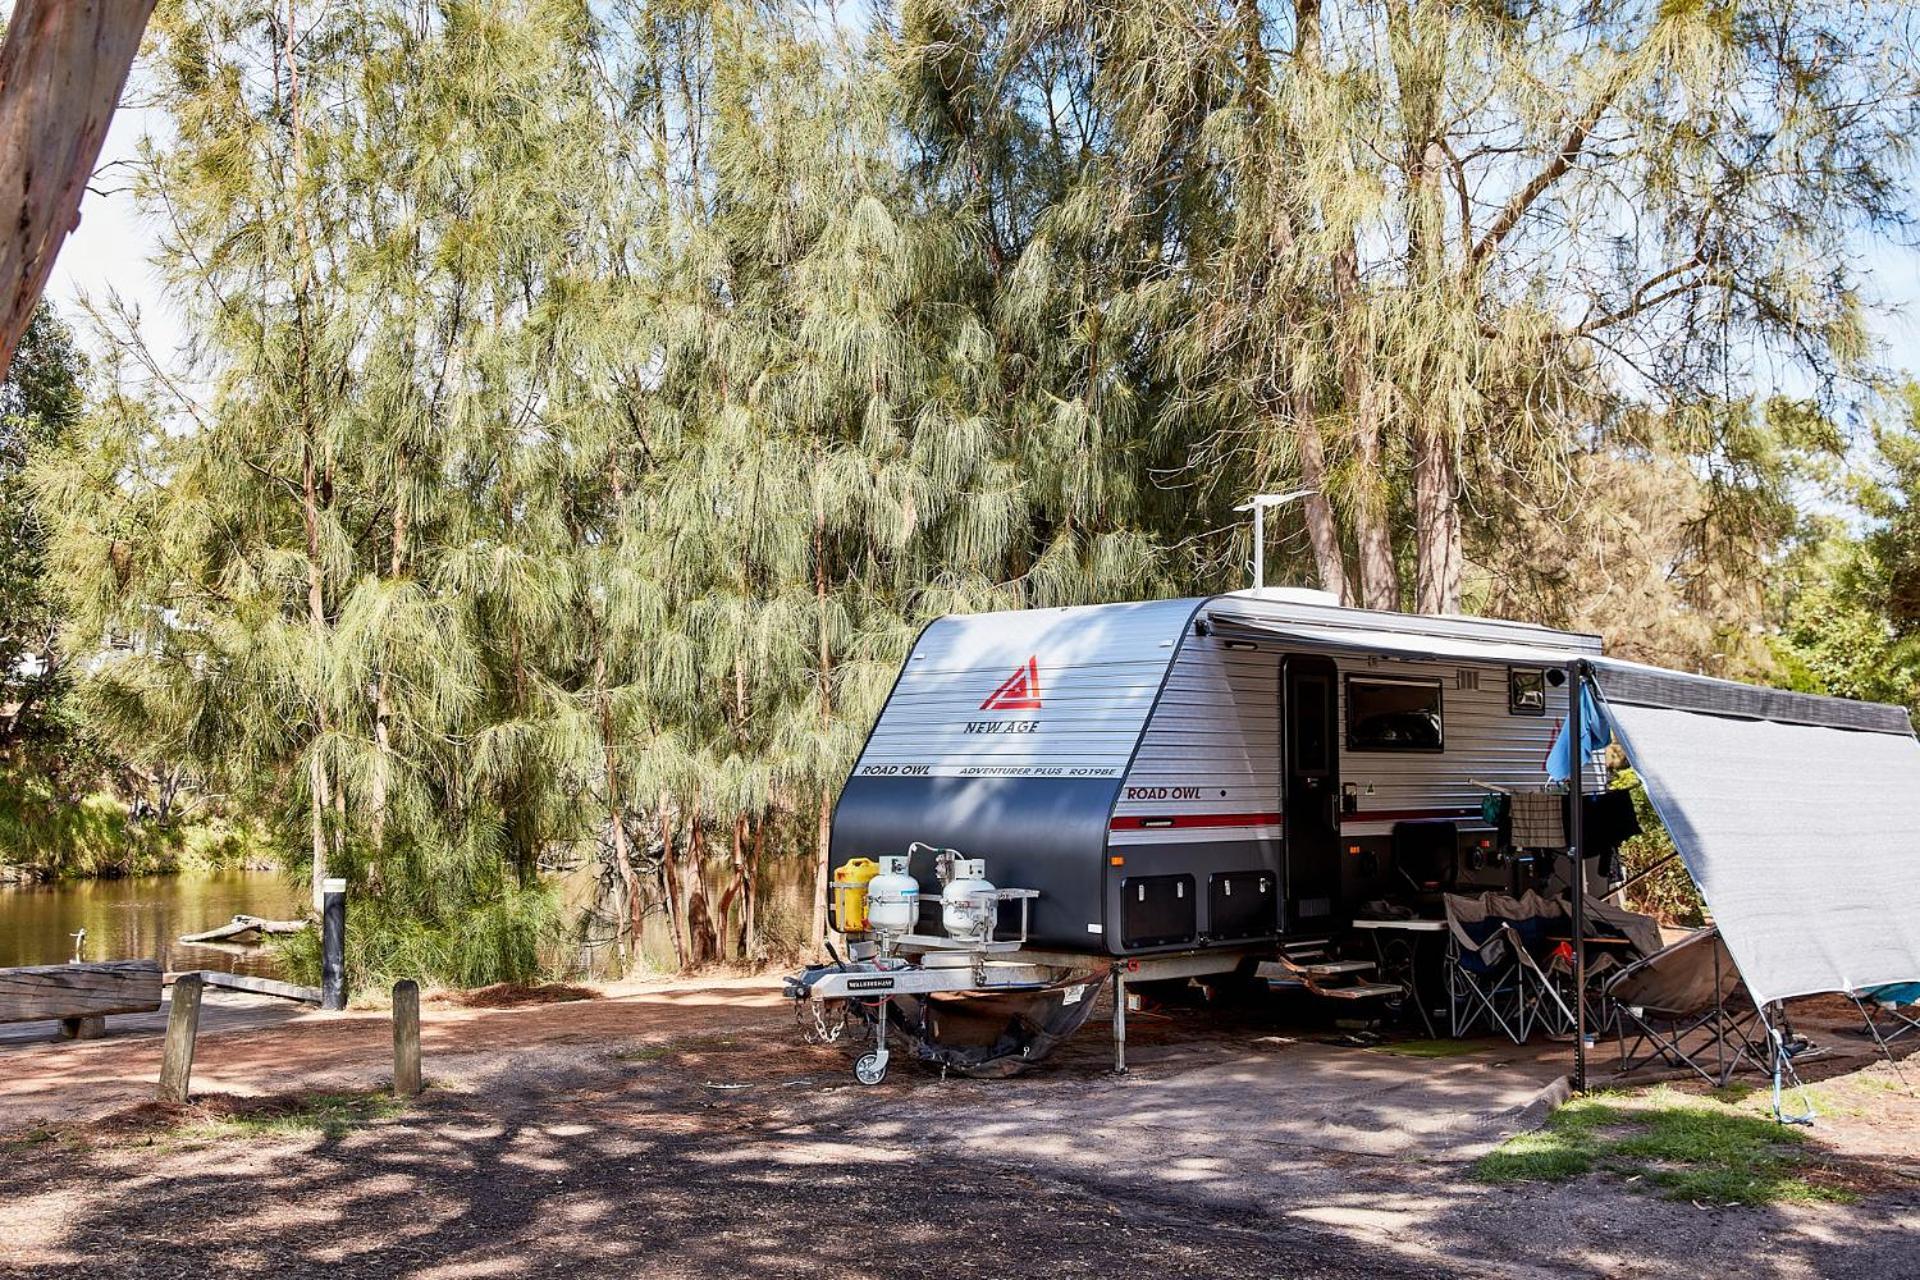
(1643, 686)
(1392, 642)
(1798, 816)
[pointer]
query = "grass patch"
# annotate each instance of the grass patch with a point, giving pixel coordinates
(1689, 1147)
(332, 1115)
(1432, 1048)
(22, 1143)
(668, 1049)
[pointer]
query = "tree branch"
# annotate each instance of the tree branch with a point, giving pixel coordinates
(1522, 200)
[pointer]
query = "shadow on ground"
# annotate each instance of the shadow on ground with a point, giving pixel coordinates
(1231, 1151)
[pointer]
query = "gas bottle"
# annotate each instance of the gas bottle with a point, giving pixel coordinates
(850, 881)
(969, 904)
(893, 898)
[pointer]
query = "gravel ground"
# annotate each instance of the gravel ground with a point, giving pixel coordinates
(684, 1131)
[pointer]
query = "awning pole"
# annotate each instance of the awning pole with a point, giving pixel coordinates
(1577, 876)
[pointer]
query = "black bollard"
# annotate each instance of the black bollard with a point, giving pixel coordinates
(333, 945)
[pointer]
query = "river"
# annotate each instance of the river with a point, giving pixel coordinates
(139, 918)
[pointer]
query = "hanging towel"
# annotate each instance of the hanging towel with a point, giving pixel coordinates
(1595, 734)
(1539, 820)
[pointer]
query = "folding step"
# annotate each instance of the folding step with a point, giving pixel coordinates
(1332, 968)
(1285, 969)
(1361, 991)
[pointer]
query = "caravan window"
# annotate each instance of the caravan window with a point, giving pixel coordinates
(1526, 692)
(1387, 714)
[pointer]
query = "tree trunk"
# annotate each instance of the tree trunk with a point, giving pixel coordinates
(671, 874)
(1436, 525)
(736, 891)
(61, 72)
(823, 836)
(616, 808)
(758, 847)
(1322, 530)
(382, 699)
(703, 939)
(629, 883)
(1379, 580)
(1418, 58)
(317, 630)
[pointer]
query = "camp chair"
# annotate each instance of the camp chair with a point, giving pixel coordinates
(1607, 922)
(1483, 980)
(1890, 1011)
(1683, 1001)
(1494, 975)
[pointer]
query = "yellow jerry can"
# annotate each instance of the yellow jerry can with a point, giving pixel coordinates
(850, 894)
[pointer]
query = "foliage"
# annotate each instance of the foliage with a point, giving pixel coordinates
(1690, 1147)
(1850, 598)
(491, 934)
(588, 403)
(59, 836)
(40, 404)
(1410, 256)
(1669, 893)
(1660, 540)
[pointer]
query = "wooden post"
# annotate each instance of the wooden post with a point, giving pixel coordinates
(406, 1038)
(333, 945)
(183, 1024)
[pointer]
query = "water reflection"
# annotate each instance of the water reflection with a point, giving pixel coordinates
(139, 919)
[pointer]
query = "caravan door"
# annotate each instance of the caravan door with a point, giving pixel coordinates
(1309, 715)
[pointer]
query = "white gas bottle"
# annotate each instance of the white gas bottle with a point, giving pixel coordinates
(893, 898)
(969, 904)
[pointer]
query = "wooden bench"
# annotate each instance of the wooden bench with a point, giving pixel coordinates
(79, 996)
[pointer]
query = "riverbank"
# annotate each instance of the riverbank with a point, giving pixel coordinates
(682, 1128)
(48, 835)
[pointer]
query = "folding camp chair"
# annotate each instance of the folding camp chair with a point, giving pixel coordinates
(1683, 1002)
(1483, 975)
(1494, 975)
(1616, 937)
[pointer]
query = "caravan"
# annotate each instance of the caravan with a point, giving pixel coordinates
(1244, 783)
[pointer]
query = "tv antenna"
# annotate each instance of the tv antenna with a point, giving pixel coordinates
(1258, 504)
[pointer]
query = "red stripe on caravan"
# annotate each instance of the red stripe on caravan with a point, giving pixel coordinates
(1163, 821)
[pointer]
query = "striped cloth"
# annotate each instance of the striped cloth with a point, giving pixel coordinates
(1539, 820)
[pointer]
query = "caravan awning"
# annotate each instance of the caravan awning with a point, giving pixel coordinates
(1399, 642)
(1798, 816)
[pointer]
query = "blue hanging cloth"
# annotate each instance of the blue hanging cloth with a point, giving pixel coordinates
(1595, 733)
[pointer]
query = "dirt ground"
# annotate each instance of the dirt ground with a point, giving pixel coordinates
(683, 1129)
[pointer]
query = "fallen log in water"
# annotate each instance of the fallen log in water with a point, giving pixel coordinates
(245, 924)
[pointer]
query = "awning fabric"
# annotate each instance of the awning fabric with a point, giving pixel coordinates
(1393, 643)
(1798, 816)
